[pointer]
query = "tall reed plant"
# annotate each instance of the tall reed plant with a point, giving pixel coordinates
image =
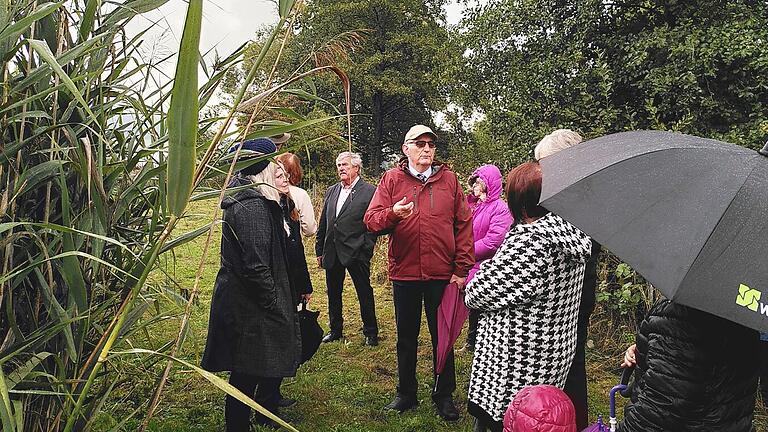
(98, 162)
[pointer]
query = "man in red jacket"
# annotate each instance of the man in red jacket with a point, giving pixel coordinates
(421, 205)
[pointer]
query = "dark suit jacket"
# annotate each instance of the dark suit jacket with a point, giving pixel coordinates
(345, 238)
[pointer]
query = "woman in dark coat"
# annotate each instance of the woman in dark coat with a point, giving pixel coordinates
(254, 329)
(694, 372)
(297, 260)
(298, 271)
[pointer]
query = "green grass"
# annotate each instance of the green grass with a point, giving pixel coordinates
(343, 388)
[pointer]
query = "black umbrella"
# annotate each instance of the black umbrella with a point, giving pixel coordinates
(689, 214)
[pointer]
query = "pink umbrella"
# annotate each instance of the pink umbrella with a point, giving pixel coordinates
(451, 315)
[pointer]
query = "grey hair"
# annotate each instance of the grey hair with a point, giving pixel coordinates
(266, 182)
(558, 140)
(354, 159)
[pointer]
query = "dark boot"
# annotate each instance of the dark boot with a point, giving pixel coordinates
(402, 403)
(261, 420)
(446, 408)
(479, 426)
(268, 396)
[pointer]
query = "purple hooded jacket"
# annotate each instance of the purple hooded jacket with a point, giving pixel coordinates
(491, 218)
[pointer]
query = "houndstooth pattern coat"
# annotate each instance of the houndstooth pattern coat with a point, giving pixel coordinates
(528, 295)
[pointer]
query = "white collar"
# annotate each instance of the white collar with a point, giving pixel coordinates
(415, 173)
(352, 185)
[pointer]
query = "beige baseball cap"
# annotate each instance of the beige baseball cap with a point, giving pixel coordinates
(280, 139)
(418, 130)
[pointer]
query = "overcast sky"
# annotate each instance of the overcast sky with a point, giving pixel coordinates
(227, 24)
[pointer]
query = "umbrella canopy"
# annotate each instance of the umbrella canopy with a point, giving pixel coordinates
(451, 315)
(689, 214)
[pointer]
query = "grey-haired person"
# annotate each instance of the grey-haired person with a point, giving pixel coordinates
(576, 383)
(344, 245)
(421, 204)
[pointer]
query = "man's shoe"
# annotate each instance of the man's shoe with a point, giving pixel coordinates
(332, 336)
(265, 422)
(286, 402)
(446, 409)
(402, 403)
(372, 340)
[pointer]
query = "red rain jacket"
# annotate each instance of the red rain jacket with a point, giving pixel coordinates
(540, 408)
(435, 242)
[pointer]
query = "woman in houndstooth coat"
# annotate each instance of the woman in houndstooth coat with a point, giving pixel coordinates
(528, 295)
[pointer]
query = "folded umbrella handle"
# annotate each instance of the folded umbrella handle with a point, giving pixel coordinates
(626, 375)
(621, 388)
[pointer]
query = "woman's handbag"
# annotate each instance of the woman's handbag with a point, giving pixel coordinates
(311, 332)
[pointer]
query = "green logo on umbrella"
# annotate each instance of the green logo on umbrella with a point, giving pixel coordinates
(748, 297)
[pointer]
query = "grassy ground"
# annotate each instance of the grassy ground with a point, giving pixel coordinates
(343, 388)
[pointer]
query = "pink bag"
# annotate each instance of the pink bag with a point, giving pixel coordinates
(540, 408)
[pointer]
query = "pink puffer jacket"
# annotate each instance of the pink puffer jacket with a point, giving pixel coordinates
(540, 408)
(490, 218)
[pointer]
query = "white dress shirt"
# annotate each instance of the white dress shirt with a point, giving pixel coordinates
(344, 194)
(416, 174)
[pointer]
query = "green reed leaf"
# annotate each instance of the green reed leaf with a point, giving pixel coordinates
(45, 53)
(183, 114)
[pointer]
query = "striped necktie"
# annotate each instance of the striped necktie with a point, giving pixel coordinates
(421, 177)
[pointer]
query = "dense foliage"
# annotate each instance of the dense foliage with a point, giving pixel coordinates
(395, 54)
(83, 186)
(599, 67)
(395, 70)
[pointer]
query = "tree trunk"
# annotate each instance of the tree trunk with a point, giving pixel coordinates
(377, 141)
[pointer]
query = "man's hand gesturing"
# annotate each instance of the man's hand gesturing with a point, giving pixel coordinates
(403, 210)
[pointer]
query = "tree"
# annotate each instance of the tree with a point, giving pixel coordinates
(601, 67)
(394, 69)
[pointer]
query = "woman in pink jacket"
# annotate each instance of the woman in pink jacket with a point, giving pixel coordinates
(491, 220)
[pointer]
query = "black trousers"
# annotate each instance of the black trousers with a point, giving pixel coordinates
(576, 383)
(265, 391)
(360, 272)
(474, 317)
(764, 371)
(408, 298)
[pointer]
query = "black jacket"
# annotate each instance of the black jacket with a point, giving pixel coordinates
(695, 372)
(298, 272)
(345, 238)
(254, 325)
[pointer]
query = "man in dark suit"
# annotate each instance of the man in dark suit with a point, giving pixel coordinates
(344, 244)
